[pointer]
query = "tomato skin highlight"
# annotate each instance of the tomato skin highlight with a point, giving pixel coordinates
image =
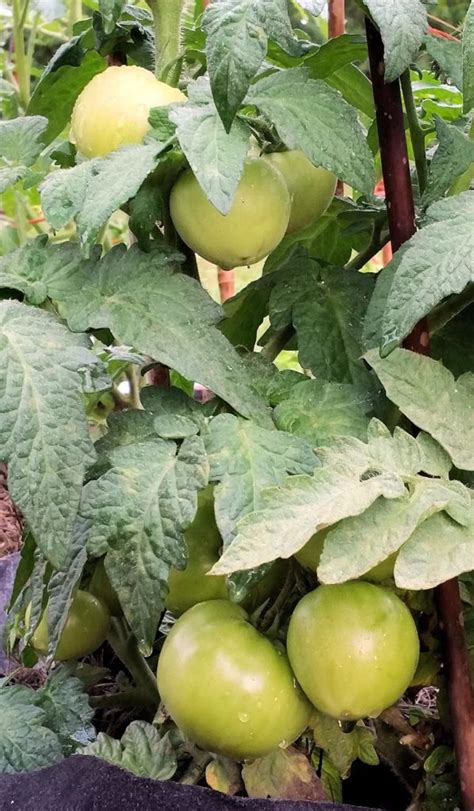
(227, 687)
(311, 187)
(254, 226)
(86, 628)
(309, 556)
(354, 648)
(113, 109)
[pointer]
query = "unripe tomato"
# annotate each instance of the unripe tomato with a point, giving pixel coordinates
(86, 627)
(310, 556)
(311, 187)
(193, 585)
(254, 226)
(354, 648)
(113, 109)
(101, 587)
(227, 687)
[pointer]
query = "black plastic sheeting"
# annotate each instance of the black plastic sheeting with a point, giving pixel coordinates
(83, 783)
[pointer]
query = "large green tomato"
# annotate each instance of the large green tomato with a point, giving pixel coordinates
(227, 687)
(193, 585)
(354, 648)
(311, 187)
(86, 627)
(113, 109)
(103, 589)
(310, 555)
(254, 226)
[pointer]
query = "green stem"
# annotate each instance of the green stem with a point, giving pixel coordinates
(449, 309)
(133, 377)
(194, 773)
(125, 646)
(416, 132)
(21, 64)
(122, 700)
(167, 25)
(376, 245)
(31, 44)
(75, 14)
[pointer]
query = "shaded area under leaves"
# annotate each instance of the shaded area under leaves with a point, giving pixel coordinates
(88, 784)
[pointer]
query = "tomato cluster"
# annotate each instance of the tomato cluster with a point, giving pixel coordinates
(279, 193)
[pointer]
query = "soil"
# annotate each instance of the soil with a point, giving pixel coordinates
(11, 522)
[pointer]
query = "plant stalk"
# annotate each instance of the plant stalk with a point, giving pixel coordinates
(416, 132)
(21, 62)
(167, 25)
(125, 646)
(401, 212)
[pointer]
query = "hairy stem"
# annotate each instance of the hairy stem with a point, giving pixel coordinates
(416, 131)
(277, 343)
(125, 646)
(21, 62)
(167, 25)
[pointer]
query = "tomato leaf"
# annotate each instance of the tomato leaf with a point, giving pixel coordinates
(136, 514)
(21, 142)
(141, 751)
(437, 262)
(224, 775)
(284, 774)
(358, 544)
(245, 458)
(468, 60)
(43, 431)
(175, 415)
(67, 709)
(93, 190)
(438, 550)
(352, 476)
(326, 307)
(335, 54)
(26, 743)
(448, 54)
(115, 292)
(215, 156)
(432, 399)
(454, 155)
(402, 26)
(312, 116)
(319, 412)
(237, 38)
(110, 11)
(54, 96)
(343, 748)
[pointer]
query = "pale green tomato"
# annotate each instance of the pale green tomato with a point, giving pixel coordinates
(310, 555)
(354, 649)
(251, 230)
(86, 628)
(311, 187)
(113, 109)
(193, 585)
(226, 686)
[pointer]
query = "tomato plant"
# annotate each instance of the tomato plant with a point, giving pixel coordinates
(354, 649)
(180, 441)
(86, 627)
(227, 687)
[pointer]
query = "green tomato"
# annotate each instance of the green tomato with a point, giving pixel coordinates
(86, 628)
(113, 109)
(193, 585)
(227, 687)
(101, 587)
(310, 555)
(354, 649)
(254, 226)
(311, 187)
